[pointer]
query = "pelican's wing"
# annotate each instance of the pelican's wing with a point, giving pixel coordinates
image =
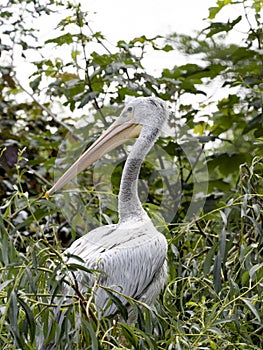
(138, 271)
(132, 258)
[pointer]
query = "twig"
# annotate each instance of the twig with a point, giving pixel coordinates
(45, 181)
(98, 39)
(87, 77)
(250, 25)
(195, 163)
(203, 233)
(165, 177)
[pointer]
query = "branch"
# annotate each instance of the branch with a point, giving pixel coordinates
(257, 35)
(98, 39)
(87, 77)
(195, 163)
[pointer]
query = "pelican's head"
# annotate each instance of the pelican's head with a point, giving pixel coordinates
(145, 111)
(138, 114)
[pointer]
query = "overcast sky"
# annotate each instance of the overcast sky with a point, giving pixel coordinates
(118, 18)
(123, 20)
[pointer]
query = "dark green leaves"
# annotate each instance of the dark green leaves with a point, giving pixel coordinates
(213, 297)
(218, 27)
(29, 321)
(35, 83)
(88, 97)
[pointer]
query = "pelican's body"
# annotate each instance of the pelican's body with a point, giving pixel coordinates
(132, 253)
(132, 256)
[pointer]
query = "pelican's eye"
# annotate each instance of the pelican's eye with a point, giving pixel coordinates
(127, 112)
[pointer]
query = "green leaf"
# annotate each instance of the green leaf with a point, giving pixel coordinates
(88, 97)
(245, 278)
(252, 309)
(5, 284)
(167, 48)
(121, 307)
(102, 60)
(255, 123)
(213, 11)
(217, 273)
(35, 83)
(13, 315)
(257, 5)
(227, 163)
(61, 40)
(77, 267)
(93, 336)
(222, 243)
(208, 260)
(255, 269)
(30, 318)
(75, 54)
(130, 335)
(218, 27)
(13, 310)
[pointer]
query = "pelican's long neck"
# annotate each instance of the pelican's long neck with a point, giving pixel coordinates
(129, 203)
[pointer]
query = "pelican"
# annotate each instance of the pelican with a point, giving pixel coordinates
(132, 253)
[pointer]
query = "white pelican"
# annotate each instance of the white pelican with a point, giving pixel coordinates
(132, 253)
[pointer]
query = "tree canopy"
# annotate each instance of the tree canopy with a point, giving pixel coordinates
(201, 185)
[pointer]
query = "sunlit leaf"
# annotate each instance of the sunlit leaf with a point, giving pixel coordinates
(61, 40)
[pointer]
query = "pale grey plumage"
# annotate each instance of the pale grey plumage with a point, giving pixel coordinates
(132, 253)
(132, 256)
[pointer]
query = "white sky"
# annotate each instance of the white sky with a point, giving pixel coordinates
(119, 19)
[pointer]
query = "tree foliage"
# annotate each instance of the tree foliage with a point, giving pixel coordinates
(203, 189)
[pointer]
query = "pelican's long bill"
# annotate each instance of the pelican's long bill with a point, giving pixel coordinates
(119, 132)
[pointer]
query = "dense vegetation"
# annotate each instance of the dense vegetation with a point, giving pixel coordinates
(202, 184)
